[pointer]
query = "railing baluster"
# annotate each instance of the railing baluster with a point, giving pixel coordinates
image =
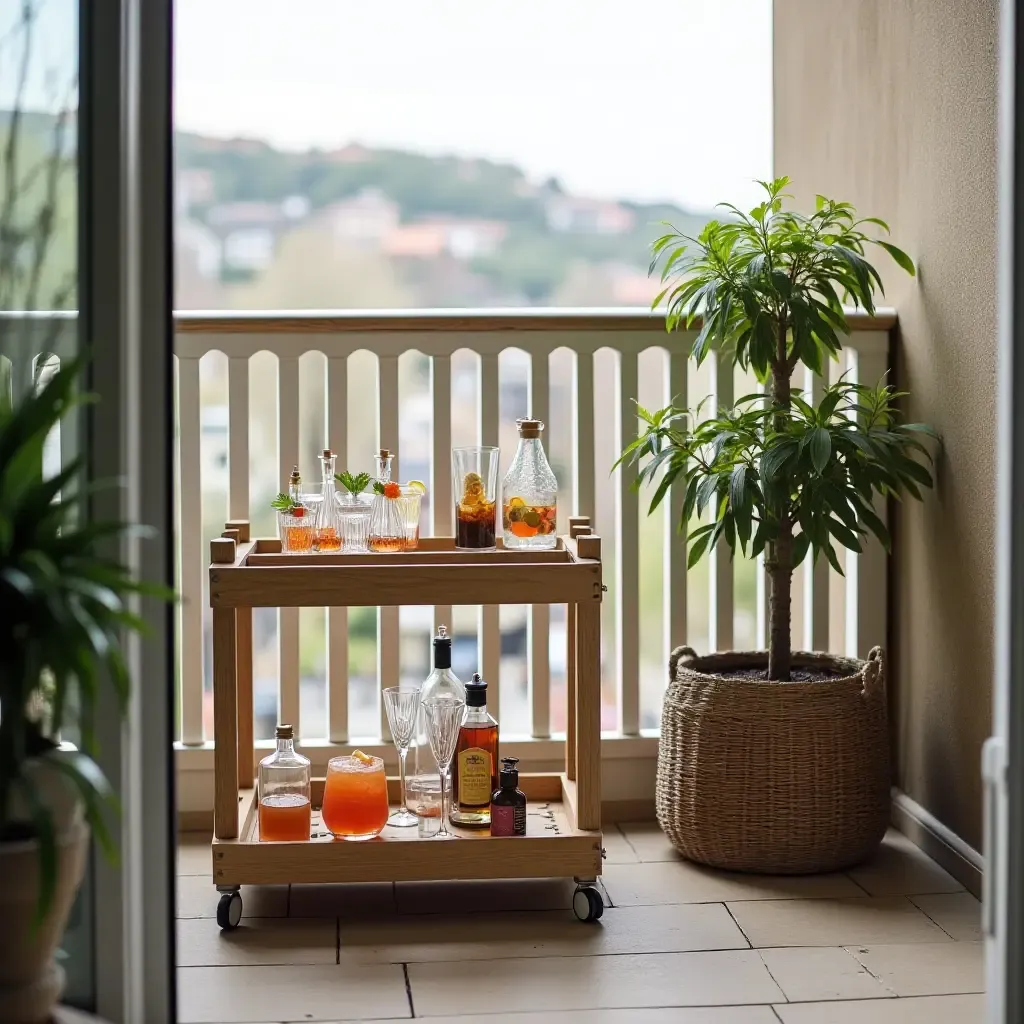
(388, 660)
(675, 583)
(867, 594)
(192, 582)
(539, 628)
(816, 574)
(288, 618)
(489, 625)
(722, 604)
(627, 559)
(337, 618)
(583, 446)
(238, 437)
(441, 505)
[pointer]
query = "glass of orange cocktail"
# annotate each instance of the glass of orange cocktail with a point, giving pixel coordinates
(355, 803)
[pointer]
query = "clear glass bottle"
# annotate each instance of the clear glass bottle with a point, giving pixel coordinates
(295, 486)
(327, 537)
(387, 522)
(423, 786)
(529, 493)
(284, 810)
(475, 768)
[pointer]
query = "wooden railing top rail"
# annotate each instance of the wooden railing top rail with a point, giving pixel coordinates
(318, 321)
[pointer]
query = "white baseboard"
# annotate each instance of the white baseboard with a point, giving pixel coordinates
(941, 843)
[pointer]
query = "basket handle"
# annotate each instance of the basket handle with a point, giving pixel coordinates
(684, 654)
(874, 671)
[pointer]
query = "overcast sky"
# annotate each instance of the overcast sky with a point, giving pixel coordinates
(641, 99)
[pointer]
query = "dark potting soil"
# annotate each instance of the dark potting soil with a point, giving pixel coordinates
(796, 675)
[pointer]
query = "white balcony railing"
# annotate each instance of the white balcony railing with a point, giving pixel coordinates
(603, 353)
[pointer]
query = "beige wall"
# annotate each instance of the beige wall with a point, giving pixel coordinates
(891, 104)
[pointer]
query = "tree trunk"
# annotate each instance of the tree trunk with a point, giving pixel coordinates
(779, 561)
(779, 567)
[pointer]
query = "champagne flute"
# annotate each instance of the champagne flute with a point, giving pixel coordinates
(443, 718)
(402, 706)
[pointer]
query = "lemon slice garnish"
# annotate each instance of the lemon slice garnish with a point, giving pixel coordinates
(417, 485)
(363, 758)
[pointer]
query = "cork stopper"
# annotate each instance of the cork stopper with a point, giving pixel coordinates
(295, 478)
(284, 732)
(384, 454)
(327, 454)
(529, 428)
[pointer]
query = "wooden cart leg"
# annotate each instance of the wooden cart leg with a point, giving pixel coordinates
(588, 715)
(243, 685)
(225, 725)
(570, 688)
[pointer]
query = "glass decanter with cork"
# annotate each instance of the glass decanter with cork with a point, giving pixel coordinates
(327, 535)
(529, 493)
(283, 777)
(387, 519)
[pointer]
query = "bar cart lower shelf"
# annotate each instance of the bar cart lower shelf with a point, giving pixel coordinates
(563, 837)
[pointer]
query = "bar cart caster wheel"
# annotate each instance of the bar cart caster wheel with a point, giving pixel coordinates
(587, 904)
(229, 911)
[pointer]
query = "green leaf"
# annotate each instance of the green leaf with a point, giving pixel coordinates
(821, 449)
(697, 548)
(901, 258)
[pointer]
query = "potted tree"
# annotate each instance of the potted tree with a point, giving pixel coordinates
(63, 617)
(777, 760)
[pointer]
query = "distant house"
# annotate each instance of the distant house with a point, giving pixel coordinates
(364, 219)
(248, 232)
(201, 244)
(565, 214)
(458, 237)
(423, 241)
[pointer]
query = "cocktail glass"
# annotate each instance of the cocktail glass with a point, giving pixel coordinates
(402, 706)
(443, 718)
(474, 491)
(355, 803)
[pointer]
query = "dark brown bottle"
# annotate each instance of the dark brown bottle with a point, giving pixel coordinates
(508, 804)
(475, 767)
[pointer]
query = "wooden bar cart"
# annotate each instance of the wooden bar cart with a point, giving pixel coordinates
(564, 810)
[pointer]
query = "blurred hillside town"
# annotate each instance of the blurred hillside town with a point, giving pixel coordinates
(357, 228)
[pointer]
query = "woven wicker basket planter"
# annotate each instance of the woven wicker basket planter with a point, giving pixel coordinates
(774, 778)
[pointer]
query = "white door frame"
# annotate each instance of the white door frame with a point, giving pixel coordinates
(1003, 760)
(125, 321)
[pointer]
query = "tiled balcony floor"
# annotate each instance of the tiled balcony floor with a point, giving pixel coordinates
(895, 941)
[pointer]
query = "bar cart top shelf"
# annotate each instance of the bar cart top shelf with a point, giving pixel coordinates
(258, 574)
(564, 812)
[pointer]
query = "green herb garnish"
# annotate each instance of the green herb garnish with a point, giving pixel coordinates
(283, 503)
(353, 484)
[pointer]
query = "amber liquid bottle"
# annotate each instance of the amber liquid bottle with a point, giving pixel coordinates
(475, 767)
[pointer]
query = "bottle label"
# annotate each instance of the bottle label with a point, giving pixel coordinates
(474, 777)
(508, 821)
(502, 821)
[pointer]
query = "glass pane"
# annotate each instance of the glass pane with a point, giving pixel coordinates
(455, 153)
(39, 273)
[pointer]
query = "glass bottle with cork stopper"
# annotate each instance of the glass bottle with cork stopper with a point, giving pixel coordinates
(284, 808)
(387, 522)
(529, 493)
(475, 769)
(508, 802)
(328, 522)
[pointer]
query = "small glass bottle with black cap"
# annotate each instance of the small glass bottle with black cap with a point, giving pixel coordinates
(508, 802)
(475, 768)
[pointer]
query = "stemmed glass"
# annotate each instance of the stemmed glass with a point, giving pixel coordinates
(402, 706)
(443, 718)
